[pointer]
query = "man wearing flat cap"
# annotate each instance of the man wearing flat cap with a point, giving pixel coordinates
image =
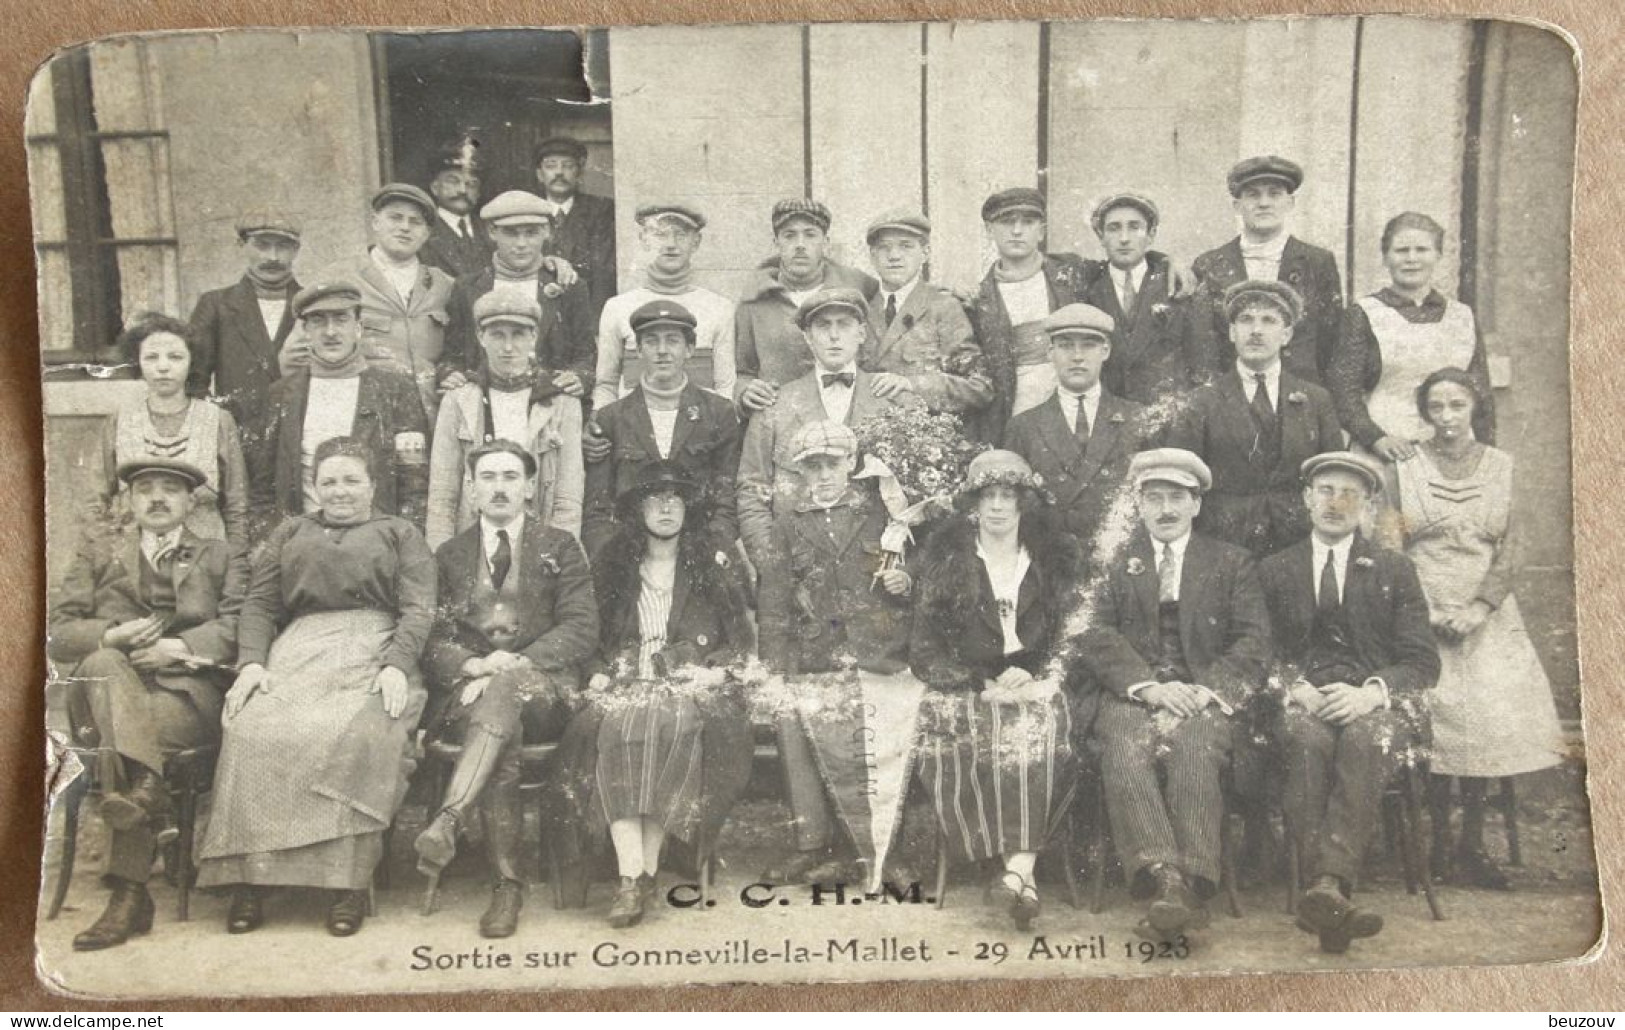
(403, 300)
(1263, 192)
(1357, 658)
(1081, 437)
(665, 417)
(1257, 424)
(1157, 352)
(520, 226)
(458, 242)
(584, 228)
(146, 620)
(918, 329)
(238, 329)
(1178, 647)
(669, 234)
(769, 348)
(833, 323)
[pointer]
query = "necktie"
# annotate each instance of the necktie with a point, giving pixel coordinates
(891, 309)
(1168, 575)
(846, 379)
(1080, 428)
(1129, 296)
(1328, 599)
(502, 561)
(1261, 399)
(462, 227)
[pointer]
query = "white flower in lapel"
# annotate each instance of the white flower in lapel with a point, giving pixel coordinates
(1364, 562)
(692, 412)
(1116, 418)
(1136, 567)
(550, 563)
(1297, 397)
(1160, 309)
(552, 290)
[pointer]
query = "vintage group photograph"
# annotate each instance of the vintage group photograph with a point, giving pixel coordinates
(603, 508)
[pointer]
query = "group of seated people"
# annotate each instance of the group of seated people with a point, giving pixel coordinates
(1156, 564)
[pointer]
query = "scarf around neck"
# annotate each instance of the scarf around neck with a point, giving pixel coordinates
(350, 367)
(662, 400)
(270, 290)
(504, 270)
(656, 281)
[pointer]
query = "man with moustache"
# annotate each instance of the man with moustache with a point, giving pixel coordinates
(1157, 352)
(146, 620)
(919, 330)
(833, 327)
(1177, 648)
(239, 329)
(1082, 437)
(1357, 658)
(1263, 192)
(584, 229)
(458, 243)
(515, 621)
(769, 346)
(1255, 426)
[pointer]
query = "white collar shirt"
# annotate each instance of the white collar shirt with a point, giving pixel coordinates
(837, 397)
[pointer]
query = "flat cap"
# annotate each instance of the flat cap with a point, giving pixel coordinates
(839, 297)
(801, 207)
(517, 207)
(1139, 201)
(1005, 202)
(403, 191)
(1278, 169)
(658, 313)
(1344, 461)
(673, 211)
(899, 220)
(267, 222)
(507, 304)
(561, 146)
(1085, 319)
(823, 438)
(331, 295)
(1263, 291)
(1170, 465)
(129, 471)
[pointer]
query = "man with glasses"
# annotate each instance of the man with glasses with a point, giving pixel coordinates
(458, 243)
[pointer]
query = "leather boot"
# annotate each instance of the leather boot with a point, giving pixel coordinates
(128, 913)
(144, 803)
(437, 844)
(504, 829)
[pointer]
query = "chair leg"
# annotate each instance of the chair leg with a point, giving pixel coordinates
(1294, 867)
(383, 861)
(1411, 814)
(1228, 846)
(702, 861)
(1407, 831)
(1099, 854)
(555, 874)
(1508, 799)
(1069, 862)
(186, 823)
(71, 799)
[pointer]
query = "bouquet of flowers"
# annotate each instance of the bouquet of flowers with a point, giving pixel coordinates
(918, 459)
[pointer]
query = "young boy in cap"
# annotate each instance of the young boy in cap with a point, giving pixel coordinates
(584, 231)
(1263, 191)
(1358, 655)
(145, 620)
(1178, 646)
(1255, 426)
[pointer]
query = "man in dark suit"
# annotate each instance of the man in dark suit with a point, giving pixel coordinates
(1263, 189)
(515, 622)
(458, 243)
(239, 329)
(584, 231)
(1081, 438)
(1179, 645)
(664, 418)
(148, 617)
(1158, 349)
(1351, 625)
(1256, 426)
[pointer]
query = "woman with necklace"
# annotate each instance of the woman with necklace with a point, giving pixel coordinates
(1396, 336)
(173, 423)
(996, 587)
(1492, 711)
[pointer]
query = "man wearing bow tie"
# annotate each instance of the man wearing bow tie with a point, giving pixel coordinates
(149, 618)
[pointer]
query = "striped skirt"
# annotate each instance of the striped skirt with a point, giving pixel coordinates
(649, 755)
(1001, 776)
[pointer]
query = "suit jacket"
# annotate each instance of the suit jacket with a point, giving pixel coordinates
(932, 343)
(767, 342)
(1224, 624)
(1084, 482)
(386, 404)
(566, 340)
(1386, 611)
(1256, 504)
(766, 477)
(1310, 270)
(233, 348)
(1158, 349)
(586, 238)
(703, 628)
(103, 587)
(705, 442)
(454, 255)
(558, 616)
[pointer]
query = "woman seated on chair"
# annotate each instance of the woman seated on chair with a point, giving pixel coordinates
(664, 748)
(318, 724)
(995, 748)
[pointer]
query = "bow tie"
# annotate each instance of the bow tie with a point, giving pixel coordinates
(846, 379)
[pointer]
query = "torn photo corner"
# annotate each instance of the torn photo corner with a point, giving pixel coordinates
(777, 503)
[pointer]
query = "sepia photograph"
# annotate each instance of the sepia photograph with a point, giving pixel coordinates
(782, 503)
